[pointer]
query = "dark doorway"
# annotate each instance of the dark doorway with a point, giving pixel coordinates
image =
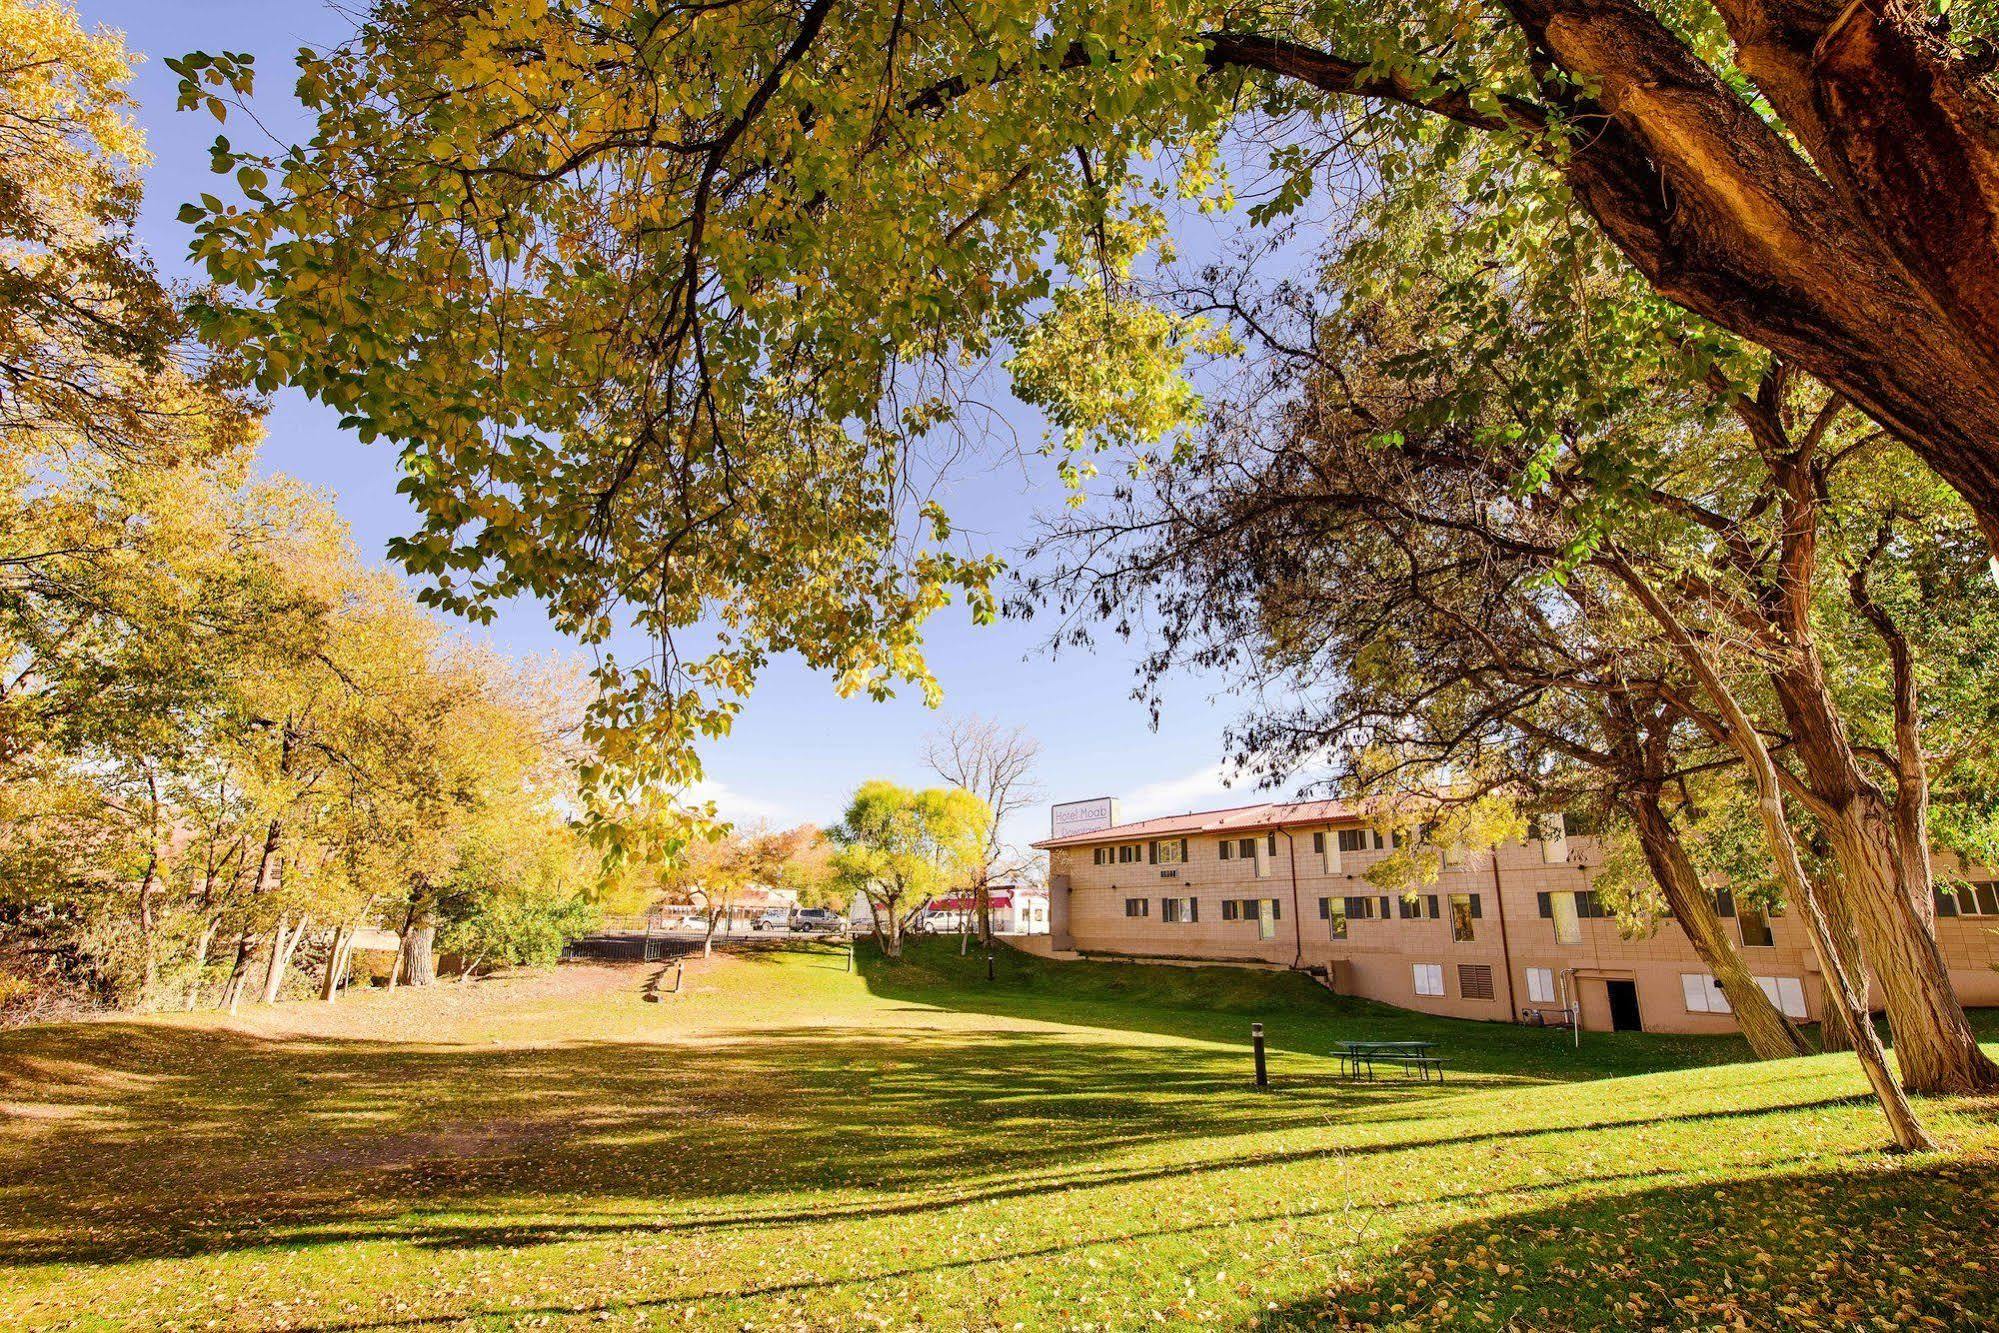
(1624, 1006)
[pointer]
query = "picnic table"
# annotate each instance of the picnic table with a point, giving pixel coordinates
(1412, 1057)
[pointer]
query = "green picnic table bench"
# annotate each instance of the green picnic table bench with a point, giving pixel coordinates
(1414, 1058)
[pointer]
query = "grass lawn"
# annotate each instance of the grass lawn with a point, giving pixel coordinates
(786, 1145)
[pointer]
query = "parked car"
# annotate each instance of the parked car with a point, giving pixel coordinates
(775, 919)
(816, 918)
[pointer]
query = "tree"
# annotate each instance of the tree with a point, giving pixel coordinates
(898, 847)
(862, 196)
(996, 764)
(713, 873)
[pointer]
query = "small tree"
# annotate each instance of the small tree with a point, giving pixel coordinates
(897, 847)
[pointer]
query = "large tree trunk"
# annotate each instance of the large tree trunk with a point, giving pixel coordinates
(274, 966)
(336, 963)
(284, 946)
(1769, 1034)
(419, 959)
(1834, 1035)
(239, 973)
(1850, 992)
(1934, 1043)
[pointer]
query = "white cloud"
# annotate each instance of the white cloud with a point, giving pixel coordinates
(733, 805)
(1176, 796)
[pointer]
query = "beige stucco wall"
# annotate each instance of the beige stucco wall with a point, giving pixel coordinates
(1377, 958)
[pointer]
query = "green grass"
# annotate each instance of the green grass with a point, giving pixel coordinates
(787, 1145)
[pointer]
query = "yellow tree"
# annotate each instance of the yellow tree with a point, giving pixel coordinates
(898, 847)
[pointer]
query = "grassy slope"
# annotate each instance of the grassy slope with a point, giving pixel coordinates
(788, 1145)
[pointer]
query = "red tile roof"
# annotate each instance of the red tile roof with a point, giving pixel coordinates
(1266, 815)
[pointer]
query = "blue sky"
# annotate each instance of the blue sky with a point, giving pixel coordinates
(798, 749)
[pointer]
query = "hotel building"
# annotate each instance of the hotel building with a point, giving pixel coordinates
(1508, 933)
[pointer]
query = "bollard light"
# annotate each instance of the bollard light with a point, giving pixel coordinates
(1256, 1041)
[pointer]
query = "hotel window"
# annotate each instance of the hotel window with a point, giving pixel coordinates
(1464, 911)
(1179, 911)
(1246, 848)
(1267, 913)
(1319, 843)
(1429, 978)
(1959, 900)
(1333, 911)
(1541, 985)
(1231, 910)
(1360, 909)
(1097, 855)
(1225, 850)
(1755, 927)
(1562, 909)
(1387, 909)
(1787, 993)
(1703, 994)
(1475, 981)
(1138, 907)
(1169, 852)
(1353, 839)
(1981, 899)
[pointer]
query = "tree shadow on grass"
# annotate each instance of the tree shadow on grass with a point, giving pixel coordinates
(142, 1139)
(138, 1139)
(1834, 1246)
(1916, 1242)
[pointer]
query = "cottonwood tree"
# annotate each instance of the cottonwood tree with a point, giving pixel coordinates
(688, 292)
(898, 847)
(995, 763)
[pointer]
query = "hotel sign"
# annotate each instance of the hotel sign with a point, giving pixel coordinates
(1073, 817)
